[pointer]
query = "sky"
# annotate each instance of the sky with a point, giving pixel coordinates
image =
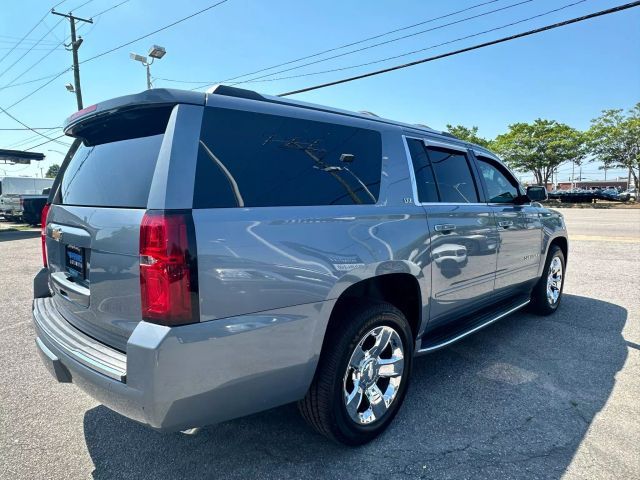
(569, 74)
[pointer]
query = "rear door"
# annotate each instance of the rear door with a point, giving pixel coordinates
(519, 226)
(94, 222)
(462, 229)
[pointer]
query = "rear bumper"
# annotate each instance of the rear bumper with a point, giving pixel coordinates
(194, 375)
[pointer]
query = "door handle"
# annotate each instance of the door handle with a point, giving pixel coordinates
(445, 227)
(505, 223)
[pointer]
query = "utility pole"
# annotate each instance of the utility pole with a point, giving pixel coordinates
(75, 45)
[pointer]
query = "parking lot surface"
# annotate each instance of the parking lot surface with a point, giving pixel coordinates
(528, 397)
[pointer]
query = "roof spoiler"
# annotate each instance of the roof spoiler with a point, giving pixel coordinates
(156, 96)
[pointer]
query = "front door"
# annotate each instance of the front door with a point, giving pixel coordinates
(519, 227)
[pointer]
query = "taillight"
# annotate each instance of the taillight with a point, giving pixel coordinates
(43, 232)
(168, 271)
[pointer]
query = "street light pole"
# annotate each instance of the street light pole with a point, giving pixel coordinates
(148, 65)
(155, 52)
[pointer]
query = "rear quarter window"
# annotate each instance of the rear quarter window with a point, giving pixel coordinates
(248, 159)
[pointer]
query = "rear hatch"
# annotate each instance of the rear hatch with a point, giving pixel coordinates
(93, 224)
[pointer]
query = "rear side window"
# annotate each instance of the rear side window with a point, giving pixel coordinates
(248, 159)
(114, 164)
(453, 176)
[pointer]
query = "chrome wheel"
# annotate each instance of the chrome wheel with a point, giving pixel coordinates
(554, 280)
(373, 375)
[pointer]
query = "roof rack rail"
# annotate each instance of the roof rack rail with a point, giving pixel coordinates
(252, 95)
(450, 135)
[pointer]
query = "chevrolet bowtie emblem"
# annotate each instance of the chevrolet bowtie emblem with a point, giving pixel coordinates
(56, 234)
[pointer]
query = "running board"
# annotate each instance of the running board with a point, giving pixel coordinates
(465, 329)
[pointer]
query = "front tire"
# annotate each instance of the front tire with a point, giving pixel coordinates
(547, 293)
(362, 375)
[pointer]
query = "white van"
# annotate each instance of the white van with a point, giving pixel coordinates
(12, 188)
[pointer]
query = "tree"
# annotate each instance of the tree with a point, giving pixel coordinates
(468, 135)
(540, 147)
(614, 139)
(53, 171)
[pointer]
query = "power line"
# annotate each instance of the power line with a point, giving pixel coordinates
(386, 42)
(109, 9)
(154, 32)
(28, 140)
(30, 128)
(55, 76)
(340, 47)
(467, 49)
(466, 19)
(32, 47)
(37, 62)
(25, 125)
(49, 141)
(31, 81)
(46, 77)
(29, 32)
(431, 47)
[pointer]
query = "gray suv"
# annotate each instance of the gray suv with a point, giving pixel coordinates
(208, 256)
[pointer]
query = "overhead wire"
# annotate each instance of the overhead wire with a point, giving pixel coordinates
(600, 13)
(340, 47)
(30, 31)
(413, 52)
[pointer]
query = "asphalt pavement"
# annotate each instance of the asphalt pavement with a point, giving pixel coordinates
(528, 397)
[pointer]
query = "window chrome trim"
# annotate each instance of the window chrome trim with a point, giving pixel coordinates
(449, 146)
(412, 173)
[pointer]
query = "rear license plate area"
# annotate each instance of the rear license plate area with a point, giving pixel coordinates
(75, 261)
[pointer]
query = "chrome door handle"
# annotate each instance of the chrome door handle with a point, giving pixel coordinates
(505, 223)
(445, 227)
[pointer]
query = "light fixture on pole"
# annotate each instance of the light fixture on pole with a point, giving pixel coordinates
(155, 52)
(70, 88)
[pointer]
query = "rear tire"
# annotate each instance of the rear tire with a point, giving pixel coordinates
(368, 355)
(547, 294)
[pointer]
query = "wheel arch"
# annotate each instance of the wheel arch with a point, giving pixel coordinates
(402, 290)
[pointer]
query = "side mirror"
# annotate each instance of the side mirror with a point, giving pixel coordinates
(537, 193)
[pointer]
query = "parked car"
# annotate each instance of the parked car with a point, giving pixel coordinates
(629, 195)
(208, 256)
(12, 189)
(32, 206)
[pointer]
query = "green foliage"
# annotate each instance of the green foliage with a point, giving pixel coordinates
(468, 135)
(614, 139)
(540, 147)
(53, 171)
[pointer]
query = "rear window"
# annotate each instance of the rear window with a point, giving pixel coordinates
(114, 164)
(248, 159)
(115, 174)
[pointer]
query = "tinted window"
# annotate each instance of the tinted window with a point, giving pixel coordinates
(256, 160)
(501, 186)
(427, 191)
(453, 176)
(114, 174)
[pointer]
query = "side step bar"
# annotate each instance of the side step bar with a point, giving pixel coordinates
(463, 328)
